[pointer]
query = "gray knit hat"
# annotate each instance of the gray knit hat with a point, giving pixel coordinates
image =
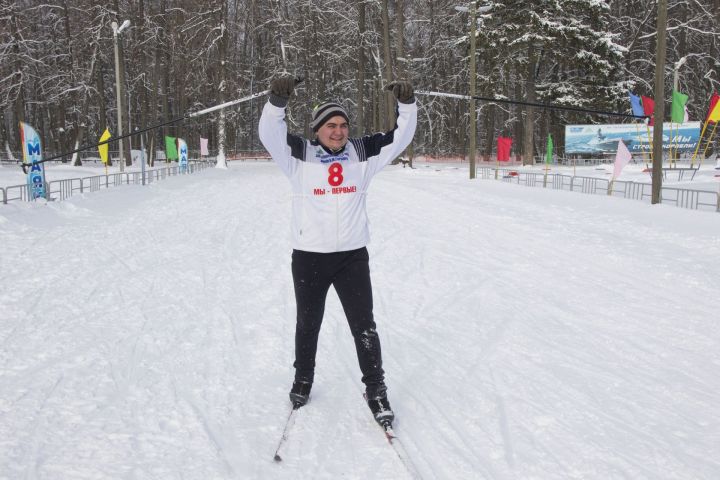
(324, 112)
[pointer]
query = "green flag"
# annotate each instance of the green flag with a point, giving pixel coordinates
(170, 148)
(677, 111)
(549, 152)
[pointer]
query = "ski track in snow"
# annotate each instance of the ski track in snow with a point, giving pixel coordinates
(147, 333)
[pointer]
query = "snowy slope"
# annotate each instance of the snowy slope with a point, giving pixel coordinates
(147, 333)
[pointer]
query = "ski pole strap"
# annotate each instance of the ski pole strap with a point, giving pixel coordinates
(546, 106)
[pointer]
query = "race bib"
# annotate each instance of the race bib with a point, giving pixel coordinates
(331, 179)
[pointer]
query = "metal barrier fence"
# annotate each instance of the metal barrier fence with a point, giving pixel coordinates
(680, 197)
(62, 189)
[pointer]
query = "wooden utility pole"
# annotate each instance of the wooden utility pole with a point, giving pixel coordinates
(471, 74)
(659, 103)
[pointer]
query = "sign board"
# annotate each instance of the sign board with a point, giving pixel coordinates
(32, 154)
(603, 139)
(182, 155)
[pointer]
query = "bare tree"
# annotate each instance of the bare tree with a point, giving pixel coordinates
(56, 64)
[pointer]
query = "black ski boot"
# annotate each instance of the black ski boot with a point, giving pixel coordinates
(379, 406)
(300, 393)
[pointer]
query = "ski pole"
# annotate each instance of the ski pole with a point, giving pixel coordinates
(529, 104)
(227, 104)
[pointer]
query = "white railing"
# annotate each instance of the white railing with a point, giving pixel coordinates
(680, 197)
(62, 189)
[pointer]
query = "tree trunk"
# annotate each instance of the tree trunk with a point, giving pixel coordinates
(100, 78)
(472, 74)
(144, 97)
(433, 36)
(518, 124)
(306, 69)
(222, 55)
(360, 117)
(82, 127)
(389, 99)
(4, 136)
(154, 92)
(402, 66)
(20, 98)
(78, 121)
(528, 149)
(166, 79)
(489, 128)
(377, 105)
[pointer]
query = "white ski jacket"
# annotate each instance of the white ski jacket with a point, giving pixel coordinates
(328, 206)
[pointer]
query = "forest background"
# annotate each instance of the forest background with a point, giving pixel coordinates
(57, 65)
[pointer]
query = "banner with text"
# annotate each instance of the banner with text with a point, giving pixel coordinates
(182, 155)
(32, 154)
(603, 139)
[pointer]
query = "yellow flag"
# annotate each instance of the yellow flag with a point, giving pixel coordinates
(103, 149)
(715, 114)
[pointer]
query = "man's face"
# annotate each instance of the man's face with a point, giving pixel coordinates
(334, 133)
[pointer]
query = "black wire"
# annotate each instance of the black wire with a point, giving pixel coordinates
(24, 165)
(476, 97)
(558, 107)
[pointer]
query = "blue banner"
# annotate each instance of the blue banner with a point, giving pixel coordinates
(32, 154)
(182, 155)
(603, 139)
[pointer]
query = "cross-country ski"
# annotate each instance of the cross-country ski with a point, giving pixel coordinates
(286, 432)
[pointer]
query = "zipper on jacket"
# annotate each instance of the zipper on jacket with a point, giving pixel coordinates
(337, 223)
(302, 192)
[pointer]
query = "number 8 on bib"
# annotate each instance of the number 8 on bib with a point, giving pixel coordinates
(335, 177)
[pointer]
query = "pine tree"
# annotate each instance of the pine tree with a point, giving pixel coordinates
(560, 51)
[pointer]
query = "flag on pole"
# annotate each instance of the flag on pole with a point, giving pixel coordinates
(622, 158)
(503, 149)
(183, 155)
(204, 146)
(677, 110)
(649, 108)
(713, 101)
(636, 104)
(549, 150)
(714, 114)
(712, 117)
(32, 154)
(170, 148)
(103, 149)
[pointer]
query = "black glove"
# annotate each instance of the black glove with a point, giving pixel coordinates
(281, 88)
(403, 91)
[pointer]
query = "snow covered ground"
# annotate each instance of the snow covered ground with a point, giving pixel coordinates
(147, 333)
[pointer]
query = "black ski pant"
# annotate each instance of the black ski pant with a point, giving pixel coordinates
(349, 273)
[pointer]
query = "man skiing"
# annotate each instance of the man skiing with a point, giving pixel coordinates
(330, 175)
